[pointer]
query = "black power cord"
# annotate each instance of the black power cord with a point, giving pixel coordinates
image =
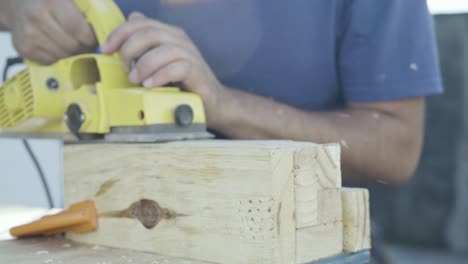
(39, 171)
(10, 62)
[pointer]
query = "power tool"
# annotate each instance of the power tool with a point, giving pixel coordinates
(89, 97)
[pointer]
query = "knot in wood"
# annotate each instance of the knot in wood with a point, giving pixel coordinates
(148, 212)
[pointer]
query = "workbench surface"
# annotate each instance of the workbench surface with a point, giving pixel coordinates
(58, 250)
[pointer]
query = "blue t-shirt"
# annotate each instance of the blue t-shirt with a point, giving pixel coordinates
(311, 54)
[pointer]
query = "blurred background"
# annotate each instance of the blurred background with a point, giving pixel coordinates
(424, 221)
(20, 184)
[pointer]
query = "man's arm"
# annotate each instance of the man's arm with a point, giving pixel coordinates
(380, 141)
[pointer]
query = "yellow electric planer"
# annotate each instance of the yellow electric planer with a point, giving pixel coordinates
(89, 96)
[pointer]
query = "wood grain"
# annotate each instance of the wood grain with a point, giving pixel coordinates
(232, 203)
(356, 220)
(216, 201)
(318, 242)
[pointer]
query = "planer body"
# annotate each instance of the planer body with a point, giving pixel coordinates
(89, 97)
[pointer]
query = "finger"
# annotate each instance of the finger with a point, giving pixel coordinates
(121, 34)
(52, 47)
(135, 16)
(177, 71)
(40, 44)
(65, 42)
(72, 21)
(155, 59)
(148, 38)
(42, 57)
(45, 43)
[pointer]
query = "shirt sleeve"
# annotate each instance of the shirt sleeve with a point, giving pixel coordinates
(387, 51)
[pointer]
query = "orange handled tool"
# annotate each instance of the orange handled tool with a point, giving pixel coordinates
(79, 218)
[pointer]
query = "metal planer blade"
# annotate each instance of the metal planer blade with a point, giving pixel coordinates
(128, 134)
(157, 133)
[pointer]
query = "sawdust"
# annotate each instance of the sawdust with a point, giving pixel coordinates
(344, 144)
(414, 67)
(382, 182)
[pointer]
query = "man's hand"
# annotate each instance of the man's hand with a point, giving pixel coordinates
(45, 31)
(165, 54)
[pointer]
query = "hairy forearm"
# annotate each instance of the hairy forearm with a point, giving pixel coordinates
(376, 145)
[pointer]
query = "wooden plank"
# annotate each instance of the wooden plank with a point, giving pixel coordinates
(329, 206)
(306, 204)
(356, 220)
(318, 203)
(217, 201)
(316, 168)
(318, 242)
(326, 207)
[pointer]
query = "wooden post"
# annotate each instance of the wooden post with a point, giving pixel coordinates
(216, 201)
